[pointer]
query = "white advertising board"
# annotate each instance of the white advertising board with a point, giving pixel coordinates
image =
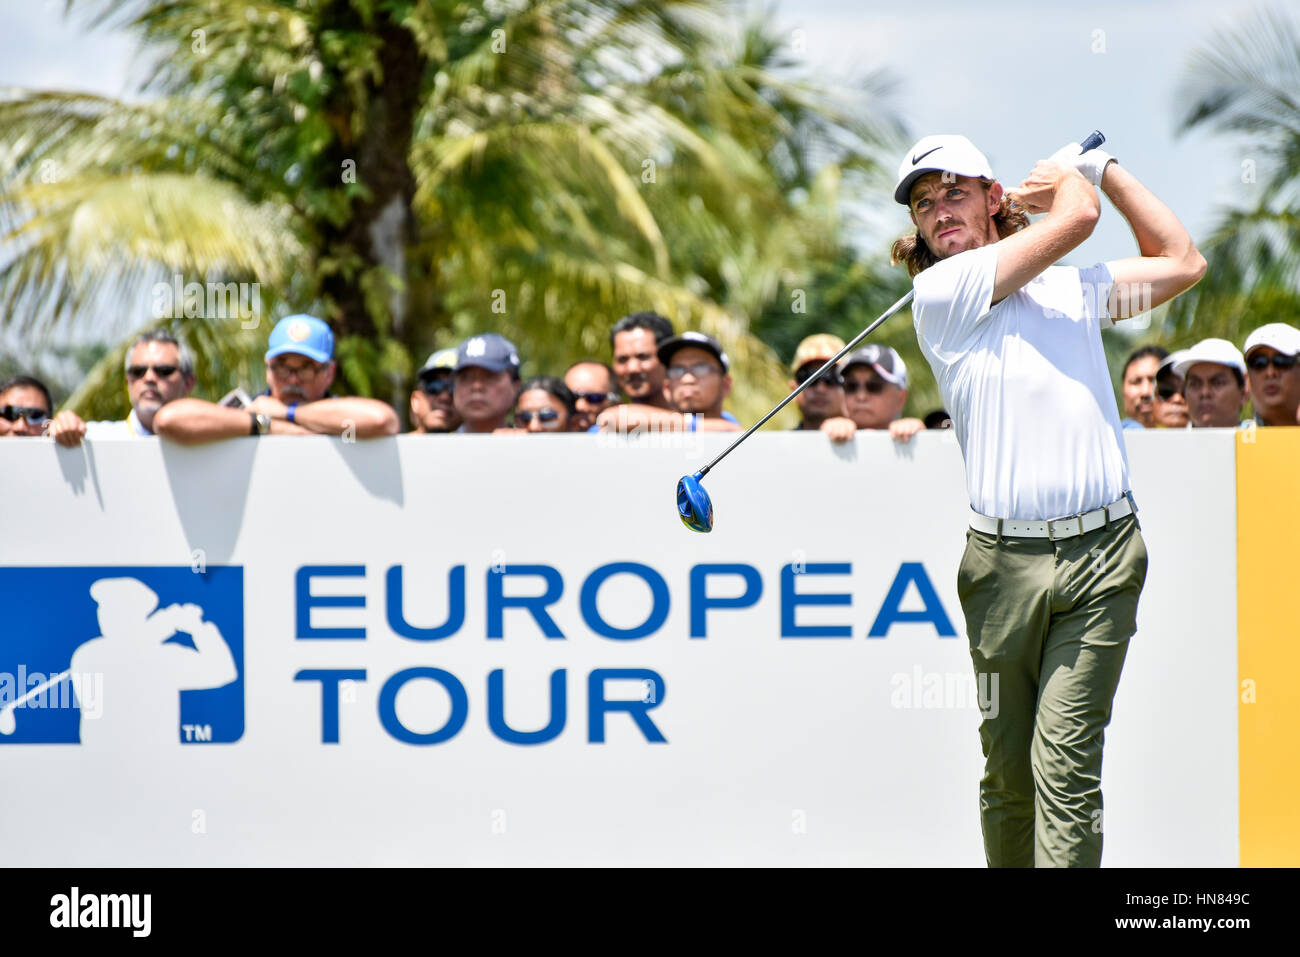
(454, 650)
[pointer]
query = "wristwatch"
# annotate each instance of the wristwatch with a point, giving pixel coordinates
(260, 425)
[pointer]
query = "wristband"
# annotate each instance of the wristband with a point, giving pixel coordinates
(289, 412)
(1092, 164)
(252, 423)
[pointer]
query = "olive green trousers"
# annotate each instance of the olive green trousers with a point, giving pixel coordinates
(1049, 624)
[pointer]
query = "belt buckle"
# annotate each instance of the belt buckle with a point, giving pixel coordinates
(1077, 517)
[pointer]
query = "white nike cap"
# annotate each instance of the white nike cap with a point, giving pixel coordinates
(946, 153)
(1276, 335)
(1220, 351)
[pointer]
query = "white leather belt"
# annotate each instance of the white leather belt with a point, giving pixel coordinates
(1055, 528)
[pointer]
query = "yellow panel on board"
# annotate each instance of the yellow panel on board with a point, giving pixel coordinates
(1268, 645)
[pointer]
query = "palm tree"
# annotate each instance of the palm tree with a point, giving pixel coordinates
(417, 171)
(1246, 82)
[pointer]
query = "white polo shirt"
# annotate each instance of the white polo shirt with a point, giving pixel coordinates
(1026, 384)
(130, 427)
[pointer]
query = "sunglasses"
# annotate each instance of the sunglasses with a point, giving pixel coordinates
(33, 415)
(831, 379)
(139, 372)
(543, 416)
(438, 386)
(874, 387)
(697, 370)
(1166, 392)
(596, 398)
(1280, 362)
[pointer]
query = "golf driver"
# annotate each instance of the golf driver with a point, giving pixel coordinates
(694, 506)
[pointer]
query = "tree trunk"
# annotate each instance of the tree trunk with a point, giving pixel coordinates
(380, 229)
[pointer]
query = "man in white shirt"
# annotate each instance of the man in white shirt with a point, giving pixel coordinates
(159, 369)
(1054, 561)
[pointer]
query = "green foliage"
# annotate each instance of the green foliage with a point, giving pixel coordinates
(573, 160)
(1245, 83)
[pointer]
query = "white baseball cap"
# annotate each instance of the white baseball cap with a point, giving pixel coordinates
(945, 153)
(1171, 360)
(887, 363)
(1276, 335)
(1220, 351)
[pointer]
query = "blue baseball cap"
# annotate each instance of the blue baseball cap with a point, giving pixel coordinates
(303, 334)
(488, 351)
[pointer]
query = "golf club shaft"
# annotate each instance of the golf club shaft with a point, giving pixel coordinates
(830, 363)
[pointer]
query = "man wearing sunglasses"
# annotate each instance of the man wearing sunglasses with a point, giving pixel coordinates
(433, 409)
(299, 371)
(1214, 384)
(594, 389)
(1272, 352)
(1169, 408)
(875, 391)
(821, 405)
(158, 370)
(24, 406)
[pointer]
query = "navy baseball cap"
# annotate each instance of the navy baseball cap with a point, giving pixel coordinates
(697, 339)
(303, 334)
(488, 351)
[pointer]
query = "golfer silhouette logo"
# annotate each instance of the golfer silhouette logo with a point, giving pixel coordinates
(144, 667)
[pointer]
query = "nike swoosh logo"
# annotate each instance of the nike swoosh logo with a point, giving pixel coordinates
(917, 159)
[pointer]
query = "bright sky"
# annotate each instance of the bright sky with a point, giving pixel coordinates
(1019, 77)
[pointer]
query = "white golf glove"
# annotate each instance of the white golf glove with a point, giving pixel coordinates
(1091, 164)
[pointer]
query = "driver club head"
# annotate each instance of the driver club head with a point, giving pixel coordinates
(694, 507)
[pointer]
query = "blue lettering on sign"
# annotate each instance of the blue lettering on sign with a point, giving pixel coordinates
(497, 602)
(933, 612)
(790, 600)
(497, 710)
(388, 706)
(639, 709)
(658, 610)
(329, 679)
(597, 705)
(307, 601)
(455, 607)
(701, 602)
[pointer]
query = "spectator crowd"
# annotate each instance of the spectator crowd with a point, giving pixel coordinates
(658, 380)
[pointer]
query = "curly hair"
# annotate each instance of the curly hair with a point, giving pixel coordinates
(1010, 218)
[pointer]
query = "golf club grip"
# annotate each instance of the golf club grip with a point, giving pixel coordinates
(1094, 140)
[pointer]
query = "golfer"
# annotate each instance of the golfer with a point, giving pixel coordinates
(1054, 560)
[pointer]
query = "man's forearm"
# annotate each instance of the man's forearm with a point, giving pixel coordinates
(191, 421)
(368, 418)
(1168, 262)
